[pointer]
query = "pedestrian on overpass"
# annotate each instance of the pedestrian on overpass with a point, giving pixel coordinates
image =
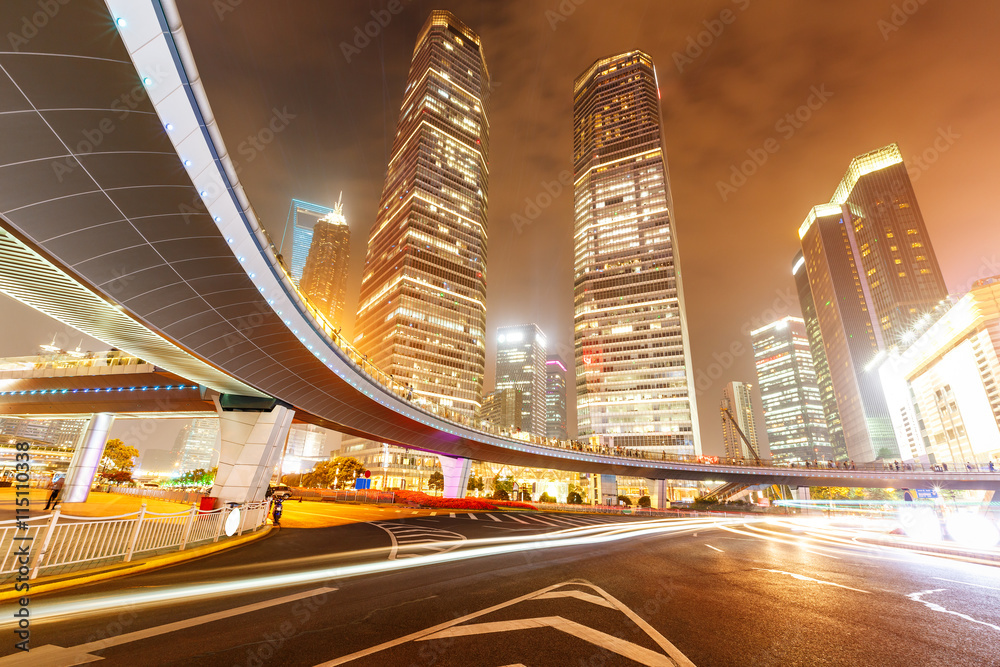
(57, 487)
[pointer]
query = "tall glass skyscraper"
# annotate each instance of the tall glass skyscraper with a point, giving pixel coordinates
(850, 337)
(633, 362)
(737, 406)
(793, 411)
(899, 263)
(823, 379)
(303, 216)
(324, 278)
(422, 315)
(555, 398)
(521, 365)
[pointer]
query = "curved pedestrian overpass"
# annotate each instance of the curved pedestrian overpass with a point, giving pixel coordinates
(123, 216)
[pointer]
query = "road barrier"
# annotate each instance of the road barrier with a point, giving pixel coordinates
(369, 496)
(172, 495)
(61, 543)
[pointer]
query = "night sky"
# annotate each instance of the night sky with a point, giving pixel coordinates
(927, 80)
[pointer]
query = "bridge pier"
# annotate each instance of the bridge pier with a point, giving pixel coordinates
(456, 475)
(251, 446)
(658, 494)
(87, 458)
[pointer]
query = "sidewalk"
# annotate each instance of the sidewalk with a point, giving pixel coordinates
(98, 504)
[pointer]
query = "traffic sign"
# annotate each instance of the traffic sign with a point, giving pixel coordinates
(926, 494)
(368, 473)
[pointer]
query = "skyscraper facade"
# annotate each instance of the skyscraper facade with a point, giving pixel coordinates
(521, 365)
(555, 398)
(422, 313)
(503, 408)
(737, 407)
(324, 277)
(200, 445)
(303, 216)
(633, 362)
(841, 297)
(897, 258)
(793, 410)
(823, 380)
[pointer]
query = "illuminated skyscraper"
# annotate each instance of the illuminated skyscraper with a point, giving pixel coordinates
(422, 314)
(555, 398)
(503, 409)
(324, 278)
(793, 411)
(633, 362)
(737, 403)
(898, 261)
(521, 365)
(200, 448)
(303, 217)
(823, 380)
(850, 338)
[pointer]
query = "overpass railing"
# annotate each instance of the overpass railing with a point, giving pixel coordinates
(60, 543)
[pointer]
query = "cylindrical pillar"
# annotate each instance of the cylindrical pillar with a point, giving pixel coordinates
(86, 459)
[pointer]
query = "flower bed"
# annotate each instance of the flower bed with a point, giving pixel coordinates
(425, 500)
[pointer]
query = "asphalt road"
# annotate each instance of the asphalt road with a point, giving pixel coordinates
(739, 594)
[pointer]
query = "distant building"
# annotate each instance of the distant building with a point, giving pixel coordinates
(823, 378)
(158, 462)
(555, 398)
(307, 445)
(324, 278)
(41, 431)
(521, 363)
(303, 217)
(737, 406)
(504, 409)
(944, 389)
(793, 410)
(633, 360)
(199, 445)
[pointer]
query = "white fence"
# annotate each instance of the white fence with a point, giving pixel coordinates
(57, 542)
(174, 495)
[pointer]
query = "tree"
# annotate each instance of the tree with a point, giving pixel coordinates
(500, 494)
(645, 502)
(625, 500)
(196, 477)
(546, 498)
(476, 483)
(505, 484)
(118, 456)
(574, 498)
(347, 469)
(118, 476)
(436, 481)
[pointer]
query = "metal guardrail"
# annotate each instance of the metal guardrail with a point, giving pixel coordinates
(171, 495)
(69, 543)
(369, 496)
(623, 510)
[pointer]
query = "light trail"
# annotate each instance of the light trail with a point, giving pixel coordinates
(478, 548)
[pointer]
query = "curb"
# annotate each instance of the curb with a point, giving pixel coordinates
(58, 582)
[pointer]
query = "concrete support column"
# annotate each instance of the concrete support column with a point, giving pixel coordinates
(250, 448)
(658, 494)
(87, 459)
(456, 475)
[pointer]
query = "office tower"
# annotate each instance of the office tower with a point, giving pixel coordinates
(850, 338)
(793, 410)
(306, 446)
(521, 365)
(199, 445)
(504, 409)
(303, 217)
(944, 389)
(158, 462)
(737, 407)
(56, 432)
(897, 258)
(422, 314)
(324, 277)
(555, 398)
(633, 362)
(823, 380)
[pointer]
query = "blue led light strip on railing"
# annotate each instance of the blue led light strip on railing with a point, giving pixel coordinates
(96, 390)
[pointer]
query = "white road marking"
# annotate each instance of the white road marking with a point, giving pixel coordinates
(715, 548)
(579, 595)
(820, 553)
(54, 656)
(802, 577)
(451, 515)
(581, 631)
(493, 517)
(634, 652)
(936, 607)
(955, 581)
(434, 513)
(409, 541)
(514, 518)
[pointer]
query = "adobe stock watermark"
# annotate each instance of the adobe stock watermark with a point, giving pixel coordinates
(533, 206)
(782, 305)
(916, 165)
(562, 12)
(363, 36)
(786, 127)
(255, 144)
(33, 23)
(898, 17)
(697, 44)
